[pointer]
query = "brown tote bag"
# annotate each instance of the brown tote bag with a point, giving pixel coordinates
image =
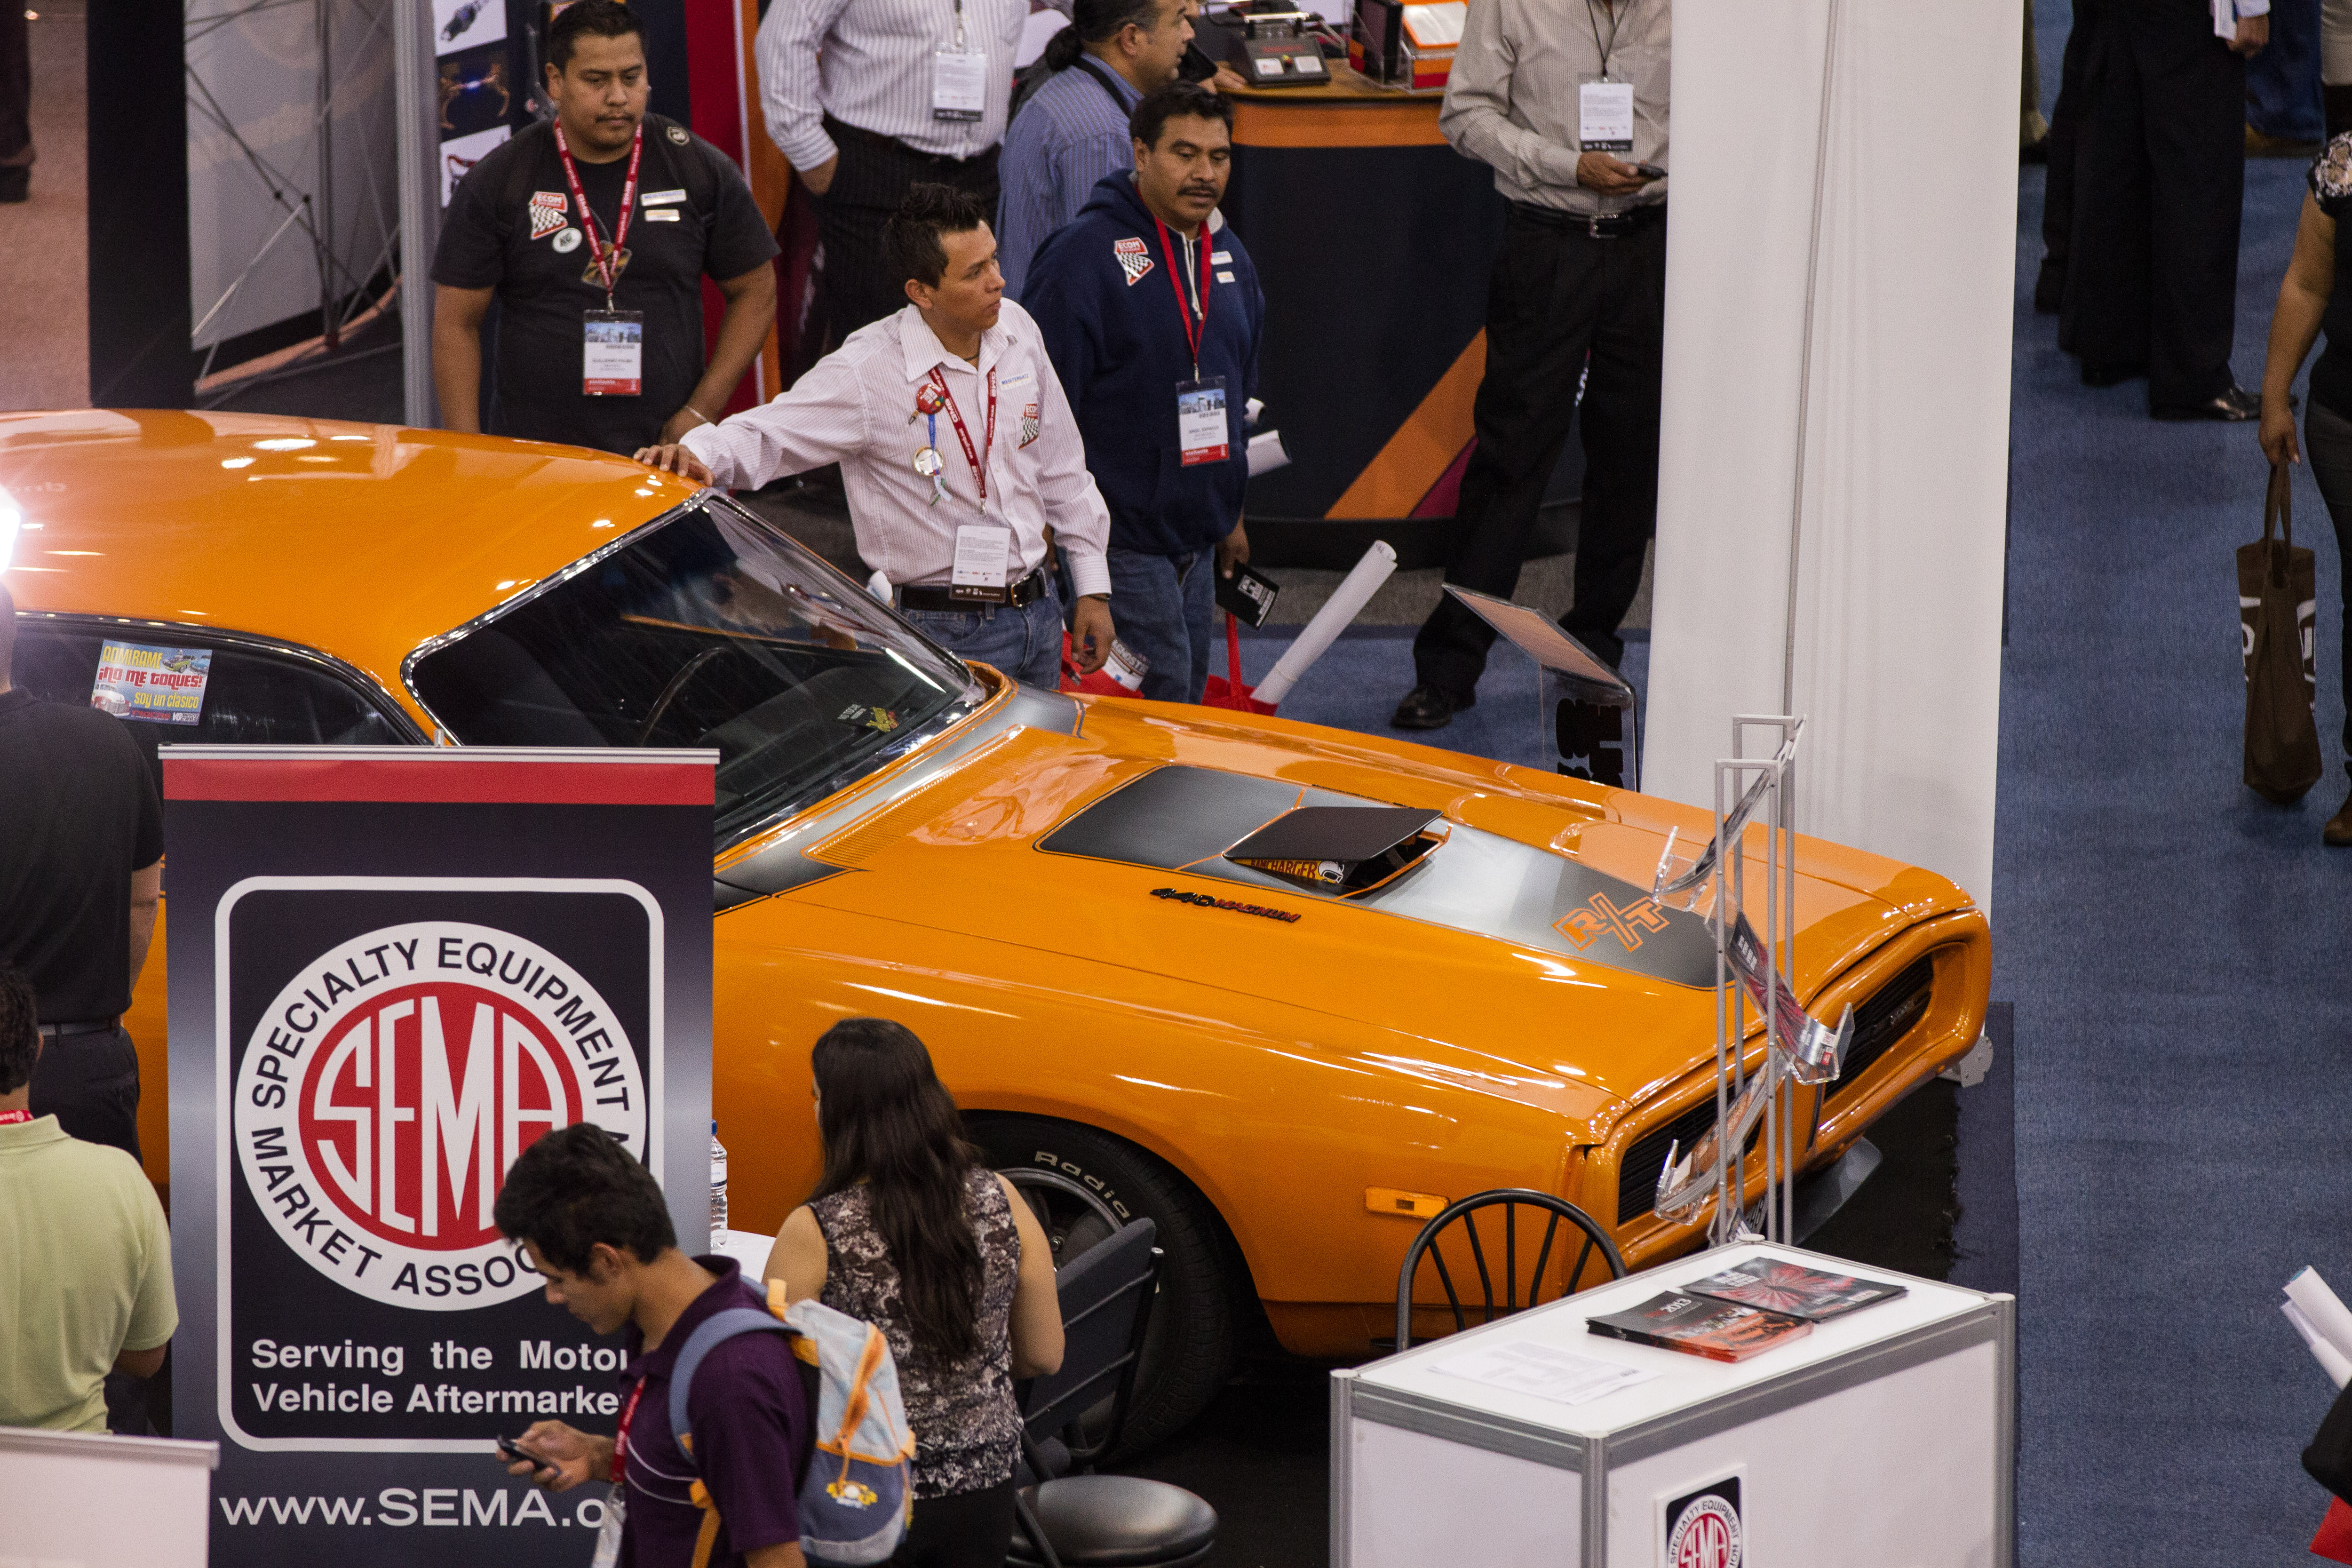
(2276, 594)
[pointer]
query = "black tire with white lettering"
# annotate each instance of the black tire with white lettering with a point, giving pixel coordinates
(1189, 1354)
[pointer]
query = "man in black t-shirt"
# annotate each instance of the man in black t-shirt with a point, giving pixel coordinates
(600, 322)
(81, 864)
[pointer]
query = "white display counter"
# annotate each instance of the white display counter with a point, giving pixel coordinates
(89, 1500)
(1884, 1436)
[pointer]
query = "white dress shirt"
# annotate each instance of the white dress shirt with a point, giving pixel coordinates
(867, 63)
(856, 407)
(1512, 100)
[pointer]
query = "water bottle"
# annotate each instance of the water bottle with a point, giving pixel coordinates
(718, 1188)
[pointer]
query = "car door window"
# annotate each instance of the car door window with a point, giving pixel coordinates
(250, 698)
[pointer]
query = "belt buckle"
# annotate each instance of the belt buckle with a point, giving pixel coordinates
(1606, 225)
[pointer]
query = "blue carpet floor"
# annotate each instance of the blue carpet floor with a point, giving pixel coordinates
(2180, 963)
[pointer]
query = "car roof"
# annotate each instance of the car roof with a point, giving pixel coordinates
(359, 539)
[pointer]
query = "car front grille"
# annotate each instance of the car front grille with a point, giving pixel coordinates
(1884, 1019)
(1878, 1024)
(1646, 1159)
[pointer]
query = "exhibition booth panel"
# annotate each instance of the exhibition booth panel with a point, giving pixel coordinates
(1885, 1435)
(92, 1498)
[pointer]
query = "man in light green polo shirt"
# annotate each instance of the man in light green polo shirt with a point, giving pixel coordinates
(87, 1286)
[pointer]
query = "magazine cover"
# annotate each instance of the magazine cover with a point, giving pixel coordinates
(1696, 1325)
(1772, 1286)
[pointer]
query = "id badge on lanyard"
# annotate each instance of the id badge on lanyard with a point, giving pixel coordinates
(612, 360)
(1202, 432)
(958, 78)
(983, 564)
(1604, 114)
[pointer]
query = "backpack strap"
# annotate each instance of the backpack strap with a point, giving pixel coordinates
(711, 1332)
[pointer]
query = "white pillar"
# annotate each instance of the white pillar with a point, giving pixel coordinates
(1885, 633)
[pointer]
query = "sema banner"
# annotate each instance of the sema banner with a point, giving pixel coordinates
(391, 970)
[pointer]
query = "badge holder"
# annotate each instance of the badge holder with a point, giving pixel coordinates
(959, 79)
(1203, 434)
(613, 353)
(1604, 114)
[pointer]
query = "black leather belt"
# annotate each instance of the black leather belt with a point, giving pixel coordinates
(1027, 591)
(85, 1026)
(1592, 226)
(841, 131)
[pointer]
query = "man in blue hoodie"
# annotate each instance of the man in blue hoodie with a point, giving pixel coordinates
(1151, 314)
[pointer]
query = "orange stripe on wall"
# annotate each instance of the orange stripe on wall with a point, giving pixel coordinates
(1424, 446)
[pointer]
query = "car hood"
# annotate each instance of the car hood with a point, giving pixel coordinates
(1521, 957)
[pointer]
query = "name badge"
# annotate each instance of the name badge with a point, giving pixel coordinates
(613, 354)
(983, 557)
(1202, 432)
(1604, 116)
(959, 84)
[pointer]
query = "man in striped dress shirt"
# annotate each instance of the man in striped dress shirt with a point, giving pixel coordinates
(1075, 130)
(963, 463)
(866, 97)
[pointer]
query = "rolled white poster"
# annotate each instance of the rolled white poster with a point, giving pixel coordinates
(1347, 601)
(1266, 453)
(879, 585)
(2332, 1361)
(2323, 1309)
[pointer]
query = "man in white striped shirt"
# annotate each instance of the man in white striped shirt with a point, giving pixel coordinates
(866, 97)
(956, 447)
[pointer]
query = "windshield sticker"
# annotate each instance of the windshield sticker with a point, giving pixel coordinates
(162, 685)
(881, 720)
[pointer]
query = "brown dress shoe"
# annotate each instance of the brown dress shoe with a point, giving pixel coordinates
(2338, 833)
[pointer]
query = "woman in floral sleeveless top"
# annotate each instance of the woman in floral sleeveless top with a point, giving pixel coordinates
(909, 1231)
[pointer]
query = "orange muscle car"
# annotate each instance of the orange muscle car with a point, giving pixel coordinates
(1159, 979)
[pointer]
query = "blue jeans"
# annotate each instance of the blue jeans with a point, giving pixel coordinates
(2282, 81)
(1023, 643)
(1165, 608)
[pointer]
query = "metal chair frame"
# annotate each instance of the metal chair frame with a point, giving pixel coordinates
(1510, 1200)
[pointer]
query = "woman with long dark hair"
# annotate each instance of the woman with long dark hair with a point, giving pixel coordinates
(911, 1231)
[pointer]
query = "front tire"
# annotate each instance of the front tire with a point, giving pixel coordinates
(1188, 1350)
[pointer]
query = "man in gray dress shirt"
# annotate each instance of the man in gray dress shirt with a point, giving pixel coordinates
(1572, 119)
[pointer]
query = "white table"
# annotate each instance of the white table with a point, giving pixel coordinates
(1884, 1436)
(91, 1499)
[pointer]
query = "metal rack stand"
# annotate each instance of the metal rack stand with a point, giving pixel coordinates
(1750, 969)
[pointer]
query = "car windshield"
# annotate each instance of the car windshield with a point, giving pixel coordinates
(710, 629)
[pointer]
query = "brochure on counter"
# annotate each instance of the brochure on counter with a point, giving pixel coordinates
(1701, 1326)
(1769, 1285)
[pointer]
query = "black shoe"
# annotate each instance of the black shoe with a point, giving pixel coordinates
(2232, 407)
(1428, 707)
(2338, 833)
(16, 181)
(2110, 374)
(2049, 288)
(2034, 151)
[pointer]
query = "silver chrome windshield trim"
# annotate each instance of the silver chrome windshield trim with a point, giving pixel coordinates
(960, 706)
(377, 695)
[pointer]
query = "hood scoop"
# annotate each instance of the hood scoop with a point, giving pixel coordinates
(1342, 850)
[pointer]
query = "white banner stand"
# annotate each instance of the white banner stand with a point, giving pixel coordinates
(93, 1501)
(1884, 1436)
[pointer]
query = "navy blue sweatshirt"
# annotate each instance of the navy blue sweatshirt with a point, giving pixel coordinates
(1113, 331)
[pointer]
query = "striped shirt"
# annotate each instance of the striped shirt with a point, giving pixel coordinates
(856, 407)
(867, 63)
(1512, 100)
(1072, 133)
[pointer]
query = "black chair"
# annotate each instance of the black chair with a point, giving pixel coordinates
(1510, 1200)
(1093, 1521)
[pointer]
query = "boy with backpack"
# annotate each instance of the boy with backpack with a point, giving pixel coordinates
(717, 1421)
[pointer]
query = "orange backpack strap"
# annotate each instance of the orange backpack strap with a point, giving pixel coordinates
(708, 1536)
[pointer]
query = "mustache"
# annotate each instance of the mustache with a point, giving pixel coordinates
(1199, 188)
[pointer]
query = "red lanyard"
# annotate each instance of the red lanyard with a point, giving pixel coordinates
(979, 460)
(621, 1433)
(603, 257)
(1192, 335)
(8, 1118)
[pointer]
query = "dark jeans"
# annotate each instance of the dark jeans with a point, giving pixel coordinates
(2327, 447)
(969, 1529)
(2160, 175)
(1024, 643)
(1165, 608)
(2282, 81)
(1556, 297)
(91, 1084)
(869, 185)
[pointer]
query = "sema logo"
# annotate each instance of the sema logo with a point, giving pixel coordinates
(1703, 1529)
(391, 1083)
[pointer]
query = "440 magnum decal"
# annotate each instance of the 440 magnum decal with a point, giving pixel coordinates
(1211, 901)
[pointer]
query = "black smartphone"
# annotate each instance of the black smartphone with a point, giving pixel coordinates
(515, 1451)
(1649, 170)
